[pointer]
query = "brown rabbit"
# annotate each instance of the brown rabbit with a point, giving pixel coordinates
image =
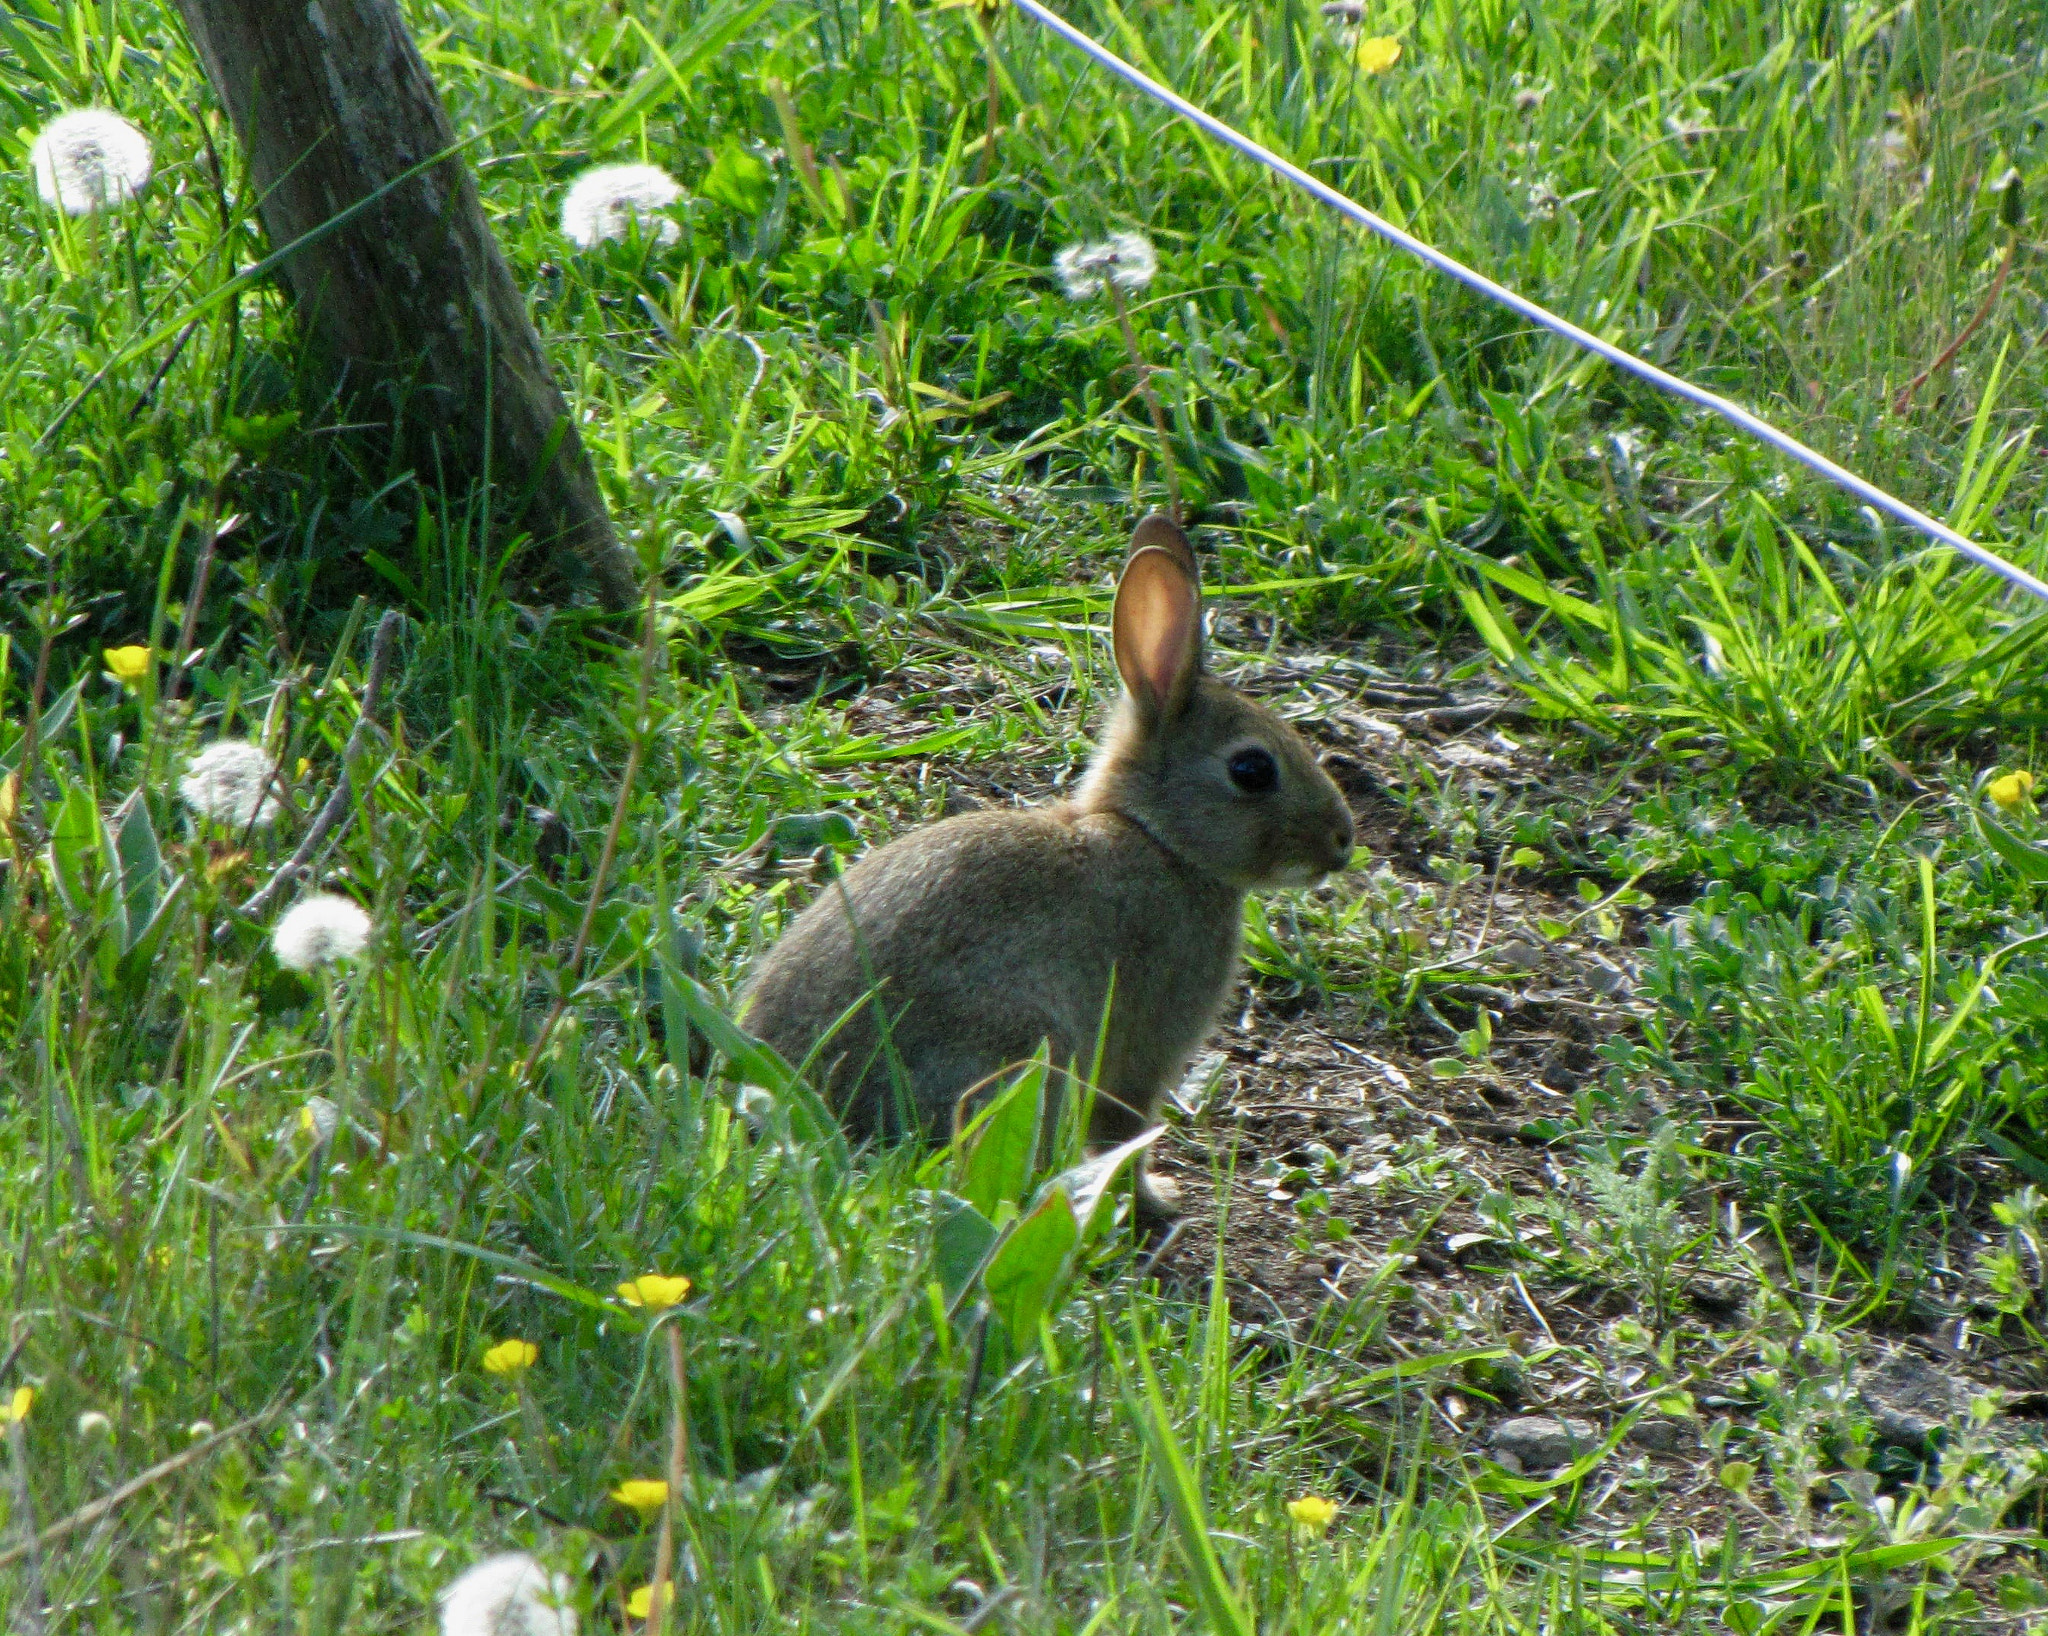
(976, 939)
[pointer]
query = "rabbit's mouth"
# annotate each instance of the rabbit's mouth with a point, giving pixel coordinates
(1294, 874)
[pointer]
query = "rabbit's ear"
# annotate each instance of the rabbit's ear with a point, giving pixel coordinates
(1158, 529)
(1158, 630)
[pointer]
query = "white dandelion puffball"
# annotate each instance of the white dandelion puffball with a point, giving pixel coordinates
(605, 201)
(89, 159)
(319, 930)
(230, 781)
(510, 1595)
(1126, 260)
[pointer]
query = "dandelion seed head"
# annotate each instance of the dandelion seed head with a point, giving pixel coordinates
(89, 159)
(229, 781)
(93, 1424)
(510, 1595)
(1893, 150)
(318, 930)
(606, 200)
(1126, 260)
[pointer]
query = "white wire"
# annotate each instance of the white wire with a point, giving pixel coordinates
(1755, 426)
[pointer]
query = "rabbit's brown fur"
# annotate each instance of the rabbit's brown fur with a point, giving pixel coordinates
(976, 939)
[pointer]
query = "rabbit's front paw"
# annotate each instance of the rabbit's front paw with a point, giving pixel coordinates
(1157, 1198)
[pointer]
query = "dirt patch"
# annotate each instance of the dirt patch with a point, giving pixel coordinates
(1385, 1182)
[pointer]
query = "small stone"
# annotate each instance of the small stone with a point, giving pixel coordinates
(1556, 1070)
(1604, 977)
(1542, 1442)
(1516, 955)
(1658, 1435)
(1715, 1295)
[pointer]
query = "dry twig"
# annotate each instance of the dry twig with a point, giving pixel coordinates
(86, 1515)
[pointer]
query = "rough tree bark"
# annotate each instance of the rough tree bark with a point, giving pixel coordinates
(410, 300)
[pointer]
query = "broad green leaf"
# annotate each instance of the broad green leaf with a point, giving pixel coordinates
(55, 720)
(1000, 1148)
(132, 970)
(1032, 1262)
(2030, 861)
(74, 844)
(960, 1243)
(738, 180)
(1088, 1183)
(141, 866)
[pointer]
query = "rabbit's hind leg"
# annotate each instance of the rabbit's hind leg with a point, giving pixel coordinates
(1120, 1114)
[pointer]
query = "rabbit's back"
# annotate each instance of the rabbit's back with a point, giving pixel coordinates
(982, 936)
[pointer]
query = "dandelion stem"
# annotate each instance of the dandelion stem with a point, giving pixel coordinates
(986, 165)
(337, 805)
(337, 1037)
(174, 684)
(678, 1463)
(47, 613)
(1947, 353)
(536, 1428)
(1166, 470)
(91, 1513)
(29, 1611)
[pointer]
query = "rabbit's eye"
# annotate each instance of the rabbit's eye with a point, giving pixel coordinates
(1254, 771)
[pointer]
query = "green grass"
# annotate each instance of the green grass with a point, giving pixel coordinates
(859, 437)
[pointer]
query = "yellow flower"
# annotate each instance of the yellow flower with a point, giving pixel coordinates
(2008, 792)
(16, 1409)
(1312, 1514)
(511, 1358)
(129, 665)
(645, 1495)
(641, 1603)
(1377, 54)
(653, 1291)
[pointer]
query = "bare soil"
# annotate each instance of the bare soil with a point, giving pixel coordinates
(1356, 1182)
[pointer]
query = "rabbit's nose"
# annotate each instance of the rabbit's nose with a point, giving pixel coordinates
(1340, 842)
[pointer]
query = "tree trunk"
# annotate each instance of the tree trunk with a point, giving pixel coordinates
(410, 300)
